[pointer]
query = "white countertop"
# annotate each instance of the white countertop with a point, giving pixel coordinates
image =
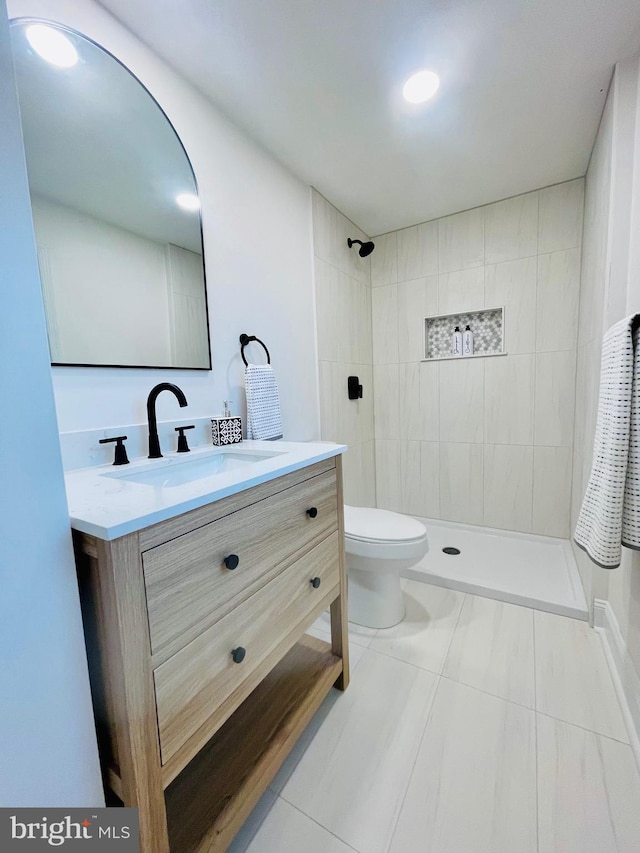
(105, 504)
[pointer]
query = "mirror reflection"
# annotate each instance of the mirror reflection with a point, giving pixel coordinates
(115, 208)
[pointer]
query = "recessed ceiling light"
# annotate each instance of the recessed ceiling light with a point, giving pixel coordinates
(188, 201)
(421, 86)
(52, 45)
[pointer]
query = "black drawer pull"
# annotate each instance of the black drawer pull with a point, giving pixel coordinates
(312, 512)
(238, 654)
(315, 582)
(232, 561)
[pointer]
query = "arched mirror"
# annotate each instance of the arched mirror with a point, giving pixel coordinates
(115, 209)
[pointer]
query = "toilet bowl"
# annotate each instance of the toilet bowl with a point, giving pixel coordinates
(379, 544)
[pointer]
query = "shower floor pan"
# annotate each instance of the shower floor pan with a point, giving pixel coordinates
(520, 568)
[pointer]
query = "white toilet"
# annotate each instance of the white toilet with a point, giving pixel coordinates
(379, 544)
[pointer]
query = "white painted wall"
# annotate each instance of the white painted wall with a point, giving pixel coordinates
(257, 234)
(47, 735)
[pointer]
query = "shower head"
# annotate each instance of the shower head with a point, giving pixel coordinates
(365, 248)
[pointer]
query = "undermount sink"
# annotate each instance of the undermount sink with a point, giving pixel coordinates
(178, 472)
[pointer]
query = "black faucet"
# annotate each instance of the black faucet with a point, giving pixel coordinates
(154, 441)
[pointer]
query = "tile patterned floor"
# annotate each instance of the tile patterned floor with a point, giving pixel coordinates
(475, 726)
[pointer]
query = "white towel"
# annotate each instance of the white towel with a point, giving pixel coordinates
(610, 514)
(631, 502)
(263, 403)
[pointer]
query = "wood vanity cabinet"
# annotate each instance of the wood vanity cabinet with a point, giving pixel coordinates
(202, 675)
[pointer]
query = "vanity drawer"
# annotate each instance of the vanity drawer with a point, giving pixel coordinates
(192, 684)
(188, 585)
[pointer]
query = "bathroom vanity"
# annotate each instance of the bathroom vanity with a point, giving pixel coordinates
(196, 598)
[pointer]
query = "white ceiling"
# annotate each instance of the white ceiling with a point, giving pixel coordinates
(318, 83)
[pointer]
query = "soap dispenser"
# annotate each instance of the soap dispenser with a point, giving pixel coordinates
(226, 429)
(456, 342)
(467, 341)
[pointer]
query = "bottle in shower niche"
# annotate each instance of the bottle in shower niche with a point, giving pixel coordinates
(467, 341)
(456, 342)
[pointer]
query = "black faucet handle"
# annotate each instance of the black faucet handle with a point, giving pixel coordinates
(121, 451)
(183, 447)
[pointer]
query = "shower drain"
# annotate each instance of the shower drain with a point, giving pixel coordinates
(450, 550)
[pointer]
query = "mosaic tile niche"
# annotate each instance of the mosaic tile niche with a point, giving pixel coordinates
(487, 327)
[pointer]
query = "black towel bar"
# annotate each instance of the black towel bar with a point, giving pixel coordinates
(246, 339)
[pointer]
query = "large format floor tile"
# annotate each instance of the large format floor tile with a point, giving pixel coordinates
(573, 682)
(286, 830)
(356, 651)
(473, 787)
(588, 792)
(320, 630)
(357, 633)
(492, 649)
(354, 773)
(302, 744)
(253, 823)
(424, 635)
(387, 768)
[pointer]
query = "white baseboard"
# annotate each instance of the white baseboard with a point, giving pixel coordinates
(625, 677)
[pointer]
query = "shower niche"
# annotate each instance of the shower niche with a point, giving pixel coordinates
(487, 325)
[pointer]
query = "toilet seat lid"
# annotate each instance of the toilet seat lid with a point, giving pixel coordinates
(381, 525)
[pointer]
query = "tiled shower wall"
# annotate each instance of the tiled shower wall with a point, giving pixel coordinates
(610, 291)
(343, 309)
(486, 440)
(595, 265)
